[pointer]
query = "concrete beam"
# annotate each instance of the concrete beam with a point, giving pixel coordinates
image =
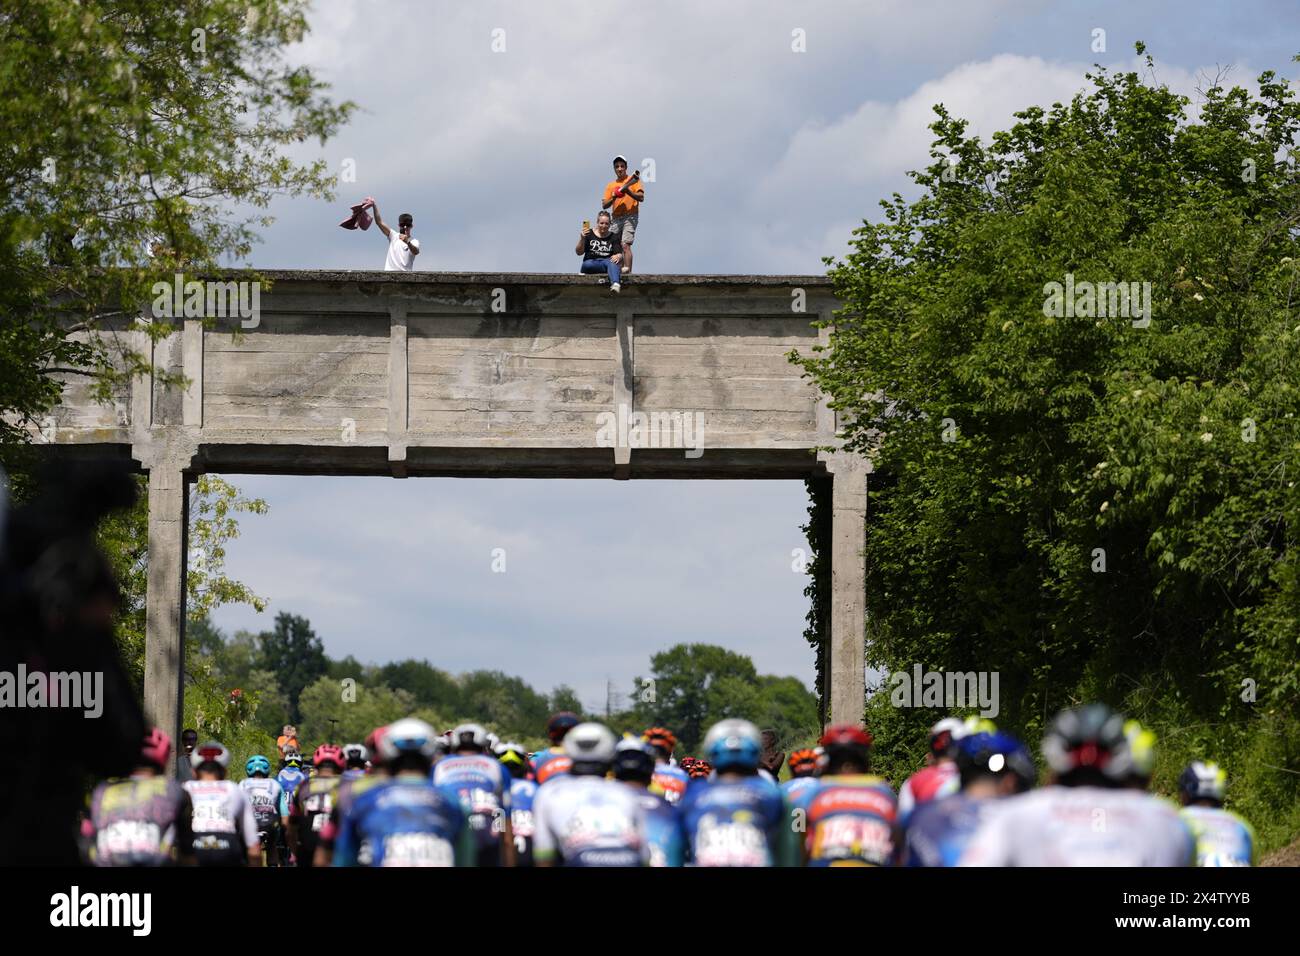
(847, 690)
(399, 389)
(624, 385)
(165, 607)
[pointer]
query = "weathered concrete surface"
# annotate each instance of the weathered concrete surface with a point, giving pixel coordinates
(486, 375)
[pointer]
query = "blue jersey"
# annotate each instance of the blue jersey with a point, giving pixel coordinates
(521, 819)
(795, 787)
(406, 821)
(664, 834)
(482, 786)
(288, 779)
(551, 762)
(1222, 837)
(939, 831)
(737, 822)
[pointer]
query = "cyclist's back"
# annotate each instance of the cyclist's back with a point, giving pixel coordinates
(850, 820)
(313, 802)
(139, 821)
(670, 781)
(586, 820)
(264, 794)
(664, 833)
(223, 823)
(1222, 838)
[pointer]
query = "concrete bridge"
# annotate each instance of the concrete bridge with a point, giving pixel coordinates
(482, 375)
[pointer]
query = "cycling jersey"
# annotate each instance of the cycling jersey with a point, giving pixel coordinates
(850, 820)
(353, 773)
(928, 783)
(289, 779)
(737, 822)
(224, 827)
(310, 811)
(265, 796)
(550, 763)
(1222, 838)
(588, 821)
(939, 831)
(522, 793)
(793, 788)
(348, 791)
(670, 781)
(1081, 826)
(665, 836)
(404, 821)
(139, 821)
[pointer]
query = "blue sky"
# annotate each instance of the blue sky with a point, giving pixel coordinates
(765, 159)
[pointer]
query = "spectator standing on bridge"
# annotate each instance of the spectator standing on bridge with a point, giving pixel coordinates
(625, 194)
(600, 251)
(402, 249)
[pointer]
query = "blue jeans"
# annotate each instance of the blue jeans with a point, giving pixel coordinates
(601, 265)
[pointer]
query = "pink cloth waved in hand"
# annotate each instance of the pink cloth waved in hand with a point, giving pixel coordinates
(360, 216)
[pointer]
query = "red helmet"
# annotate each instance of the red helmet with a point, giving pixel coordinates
(661, 738)
(845, 735)
(157, 747)
(803, 763)
(560, 724)
(328, 752)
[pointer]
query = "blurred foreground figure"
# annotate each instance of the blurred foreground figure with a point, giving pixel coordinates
(68, 714)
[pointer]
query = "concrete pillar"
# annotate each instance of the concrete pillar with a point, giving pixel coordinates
(848, 603)
(165, 609)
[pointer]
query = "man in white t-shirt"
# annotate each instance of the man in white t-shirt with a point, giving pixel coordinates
(402, 249)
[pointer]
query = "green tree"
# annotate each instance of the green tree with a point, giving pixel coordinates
(330, 714)
(294, 653)
(429, 686)
(141, 139)
(692, 684)
(565, 697)
(1091, 505)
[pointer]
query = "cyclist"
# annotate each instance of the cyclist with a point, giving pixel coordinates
(289, 778)
(635, 763)
(553, 761)
(938, 778)
(736, 818)
(1222, 837)
(697, 769)
(312, 802)
(1085, 816)
(475, 777)
(582, 818)
(669, 779)
(522, 790)
(356, 758)
(405, 820)
(264, 794)
(849, 817)
(348, 791)
(225, 831)
(145, 819)
(991, 766)
(804, 765)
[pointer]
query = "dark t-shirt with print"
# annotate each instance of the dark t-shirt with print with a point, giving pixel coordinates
(597, 248)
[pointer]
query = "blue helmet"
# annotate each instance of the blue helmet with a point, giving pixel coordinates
(257, 764)
(994, 754)
(733, 744)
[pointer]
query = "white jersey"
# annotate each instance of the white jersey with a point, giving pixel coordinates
(589, 821)
(1081, 826)
(264, 795)
(220, 807)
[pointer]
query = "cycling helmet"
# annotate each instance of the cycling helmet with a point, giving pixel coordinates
(493, 741)
(591, 747)
(1203, 781)
(328, 753)
(1090, 739)
(978, 725)
(560, 724)
(211, 752)
(355, 755)
(374, 740)
(410, 735)
(700, 769)
(257, 764)
(473, 736)
(634, 759)
(733, 744)
(995, 754)
(945, 734)
(293, 759)
(156, 748)
(514, 758)
(1142, 745)
(803, 763)
(661, 738)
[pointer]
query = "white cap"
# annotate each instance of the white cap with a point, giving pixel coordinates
(620, 156)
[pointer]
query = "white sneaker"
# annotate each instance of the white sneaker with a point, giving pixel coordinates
(615, 287)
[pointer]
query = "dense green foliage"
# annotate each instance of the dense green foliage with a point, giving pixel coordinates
(1094, 507)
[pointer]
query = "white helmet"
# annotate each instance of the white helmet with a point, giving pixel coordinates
(408, 735)
(211, 752)
(590, 744)
(469, 735)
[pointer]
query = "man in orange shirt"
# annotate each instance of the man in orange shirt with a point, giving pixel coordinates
(626, 199)
(288, 740)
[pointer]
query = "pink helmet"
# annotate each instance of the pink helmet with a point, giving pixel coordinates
(157, 748)
(328, 752)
